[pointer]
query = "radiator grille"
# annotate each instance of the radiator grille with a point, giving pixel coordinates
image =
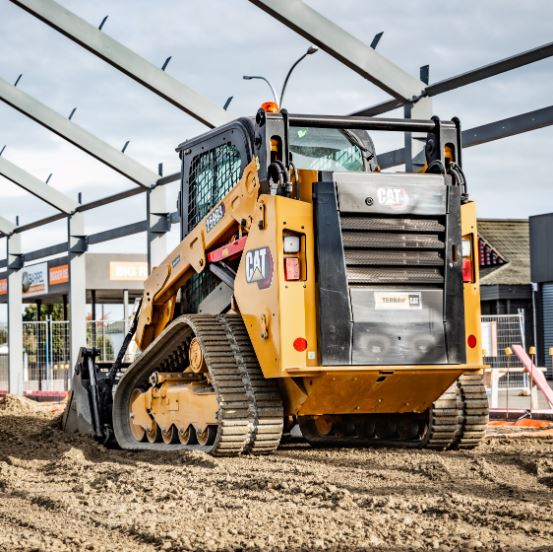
(393, 251)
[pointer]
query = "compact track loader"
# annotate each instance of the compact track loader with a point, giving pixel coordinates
(308, 288)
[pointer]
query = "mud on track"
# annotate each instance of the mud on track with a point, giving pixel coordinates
(64, 493)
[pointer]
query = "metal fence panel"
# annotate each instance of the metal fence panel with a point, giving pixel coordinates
(500, 331)
(46, 346)
(105, 336)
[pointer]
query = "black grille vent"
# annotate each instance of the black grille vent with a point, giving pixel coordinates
(393, 251)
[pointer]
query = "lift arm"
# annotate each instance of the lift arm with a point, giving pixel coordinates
(235, 211)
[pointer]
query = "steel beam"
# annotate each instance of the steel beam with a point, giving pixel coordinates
(77, 286)
(380, 108)
(97, 203)
(347, 49)
(490, 70)
(482, 134)
(511, 126)
(486, 71)
(127, 61)
(36, 187)
(77, 135)
(92, 239)
(120, 232)
(15, 320)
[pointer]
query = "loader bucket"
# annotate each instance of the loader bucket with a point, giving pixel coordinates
(82, 413)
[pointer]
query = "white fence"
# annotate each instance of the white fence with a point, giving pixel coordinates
(47, 349)
(46, 346)
(500, 331)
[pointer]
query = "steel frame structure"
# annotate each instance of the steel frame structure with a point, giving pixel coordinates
(407, 91)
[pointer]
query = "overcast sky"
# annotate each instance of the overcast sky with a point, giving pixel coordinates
(214, 42)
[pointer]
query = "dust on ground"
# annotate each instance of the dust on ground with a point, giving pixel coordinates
(61, 492)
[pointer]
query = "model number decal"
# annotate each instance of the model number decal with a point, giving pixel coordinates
(396, 300)
(214, 217)
(259, 267)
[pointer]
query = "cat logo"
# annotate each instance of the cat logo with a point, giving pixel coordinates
(395, 198)
(259, 267)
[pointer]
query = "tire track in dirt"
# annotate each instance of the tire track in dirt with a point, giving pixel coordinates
(63, 492)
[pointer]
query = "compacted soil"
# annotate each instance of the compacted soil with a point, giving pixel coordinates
(61, 492)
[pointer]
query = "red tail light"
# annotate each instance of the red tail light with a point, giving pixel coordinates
(467, 271)
(471, 341)
(467, 262)
(292, 268)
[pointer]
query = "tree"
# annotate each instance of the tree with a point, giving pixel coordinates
(55, 311)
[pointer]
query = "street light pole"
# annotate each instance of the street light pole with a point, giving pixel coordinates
(311, 50)
(258, 77)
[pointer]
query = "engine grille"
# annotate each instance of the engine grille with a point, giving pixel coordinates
(393, 251)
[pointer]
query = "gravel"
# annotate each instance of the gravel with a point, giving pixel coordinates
(62, 492)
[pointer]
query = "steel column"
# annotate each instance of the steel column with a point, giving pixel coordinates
(159, 224)
(77, 135)
(15, 319)
(6, 227)
(414, 146)
(77, 285)
(127, 61)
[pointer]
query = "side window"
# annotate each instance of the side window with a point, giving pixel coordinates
(212, 174)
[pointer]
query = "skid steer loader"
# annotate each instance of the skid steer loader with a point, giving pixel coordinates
(309, 288)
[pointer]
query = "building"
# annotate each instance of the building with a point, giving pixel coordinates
(110, 278)
(541, 254)
(504, 258)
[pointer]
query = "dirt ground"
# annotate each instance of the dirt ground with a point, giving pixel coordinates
(59, 492)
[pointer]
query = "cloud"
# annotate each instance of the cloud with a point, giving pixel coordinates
(214, 42)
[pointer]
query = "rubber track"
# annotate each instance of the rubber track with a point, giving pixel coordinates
(444, 424)
(445, 418)
(474, 399)
(265, 403)
(234, 425)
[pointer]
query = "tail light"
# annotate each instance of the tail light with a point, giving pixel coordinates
(467, 261)
(292, 269)
(292, 264)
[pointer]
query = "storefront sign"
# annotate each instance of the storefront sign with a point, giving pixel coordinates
(58, 275)
(128, 270)
(34, 280)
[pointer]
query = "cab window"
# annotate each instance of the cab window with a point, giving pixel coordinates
(324, 149)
